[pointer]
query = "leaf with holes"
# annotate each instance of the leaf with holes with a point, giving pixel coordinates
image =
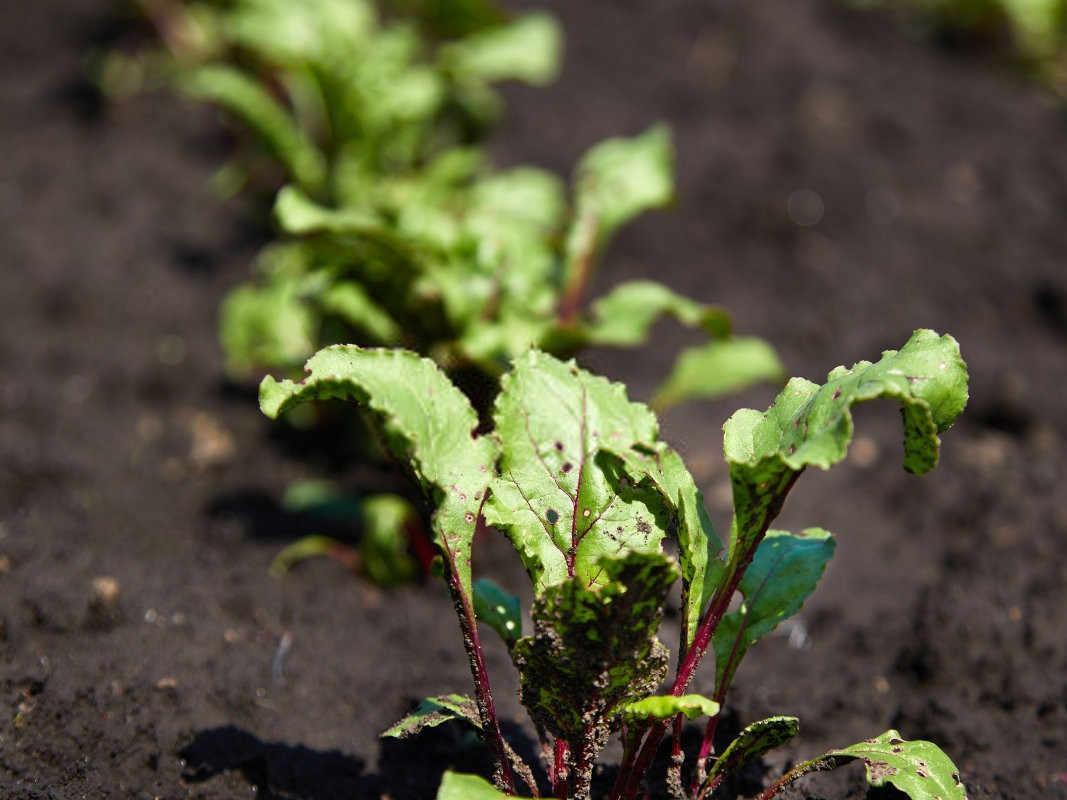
(498, 609)
(919, 769)
(553, 497)
(811, 425)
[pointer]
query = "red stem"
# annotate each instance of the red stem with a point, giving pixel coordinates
(720, 602)
(483, 692)
(560, 774)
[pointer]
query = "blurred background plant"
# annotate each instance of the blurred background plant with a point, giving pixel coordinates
(1030, 33)
(394, 228)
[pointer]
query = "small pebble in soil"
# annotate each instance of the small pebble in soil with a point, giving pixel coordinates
(5, 564)
(881, 684)
(104, 610)
(864, 452)
(167, 684)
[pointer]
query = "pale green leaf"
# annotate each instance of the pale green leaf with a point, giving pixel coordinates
(383, 545)
(668, 706)
(269, 326)
(717, 368)
(783, 573)
(594, 649)
(755, 740)
(624, 317)
(527, 49)
(426, 419)
(246, 99)
(457, 786)
(434, 711)
(615, 181)
(498, 609)
(811, 425)
(301, 550)
(323, 499)
(351, 302)
(552, 497)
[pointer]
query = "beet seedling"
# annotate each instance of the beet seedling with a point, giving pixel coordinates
(575, 475)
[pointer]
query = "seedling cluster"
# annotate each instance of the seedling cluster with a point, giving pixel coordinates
(577, 478)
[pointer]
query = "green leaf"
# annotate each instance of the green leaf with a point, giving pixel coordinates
(427, 421)
(269, 326)
(457, 786)
(594, 649)
(321, 498)
(351, 302)
(305, 548)
(667, 706)
(552, 497)
(755, 740)
(783, 573)
(527, 49)
(246, 99)
(698, 544)
(919, 769)
(498, 609)
(624, 317)
(717, 368)
(615, 181)
(383, 546)
(811, 425)
(434, 711)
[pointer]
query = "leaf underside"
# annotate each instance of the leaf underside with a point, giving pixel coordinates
(755, 740)
(434, 711)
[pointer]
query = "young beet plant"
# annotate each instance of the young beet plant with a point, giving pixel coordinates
(577, 478)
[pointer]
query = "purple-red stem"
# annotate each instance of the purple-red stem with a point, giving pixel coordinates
(720, 602)
(483, 692)
(560, 774)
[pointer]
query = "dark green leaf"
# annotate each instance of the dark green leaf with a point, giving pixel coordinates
(434, 711)
(498, 609)
(755, 740)
(783, 573)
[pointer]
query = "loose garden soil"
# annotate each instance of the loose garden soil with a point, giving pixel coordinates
(840, 185)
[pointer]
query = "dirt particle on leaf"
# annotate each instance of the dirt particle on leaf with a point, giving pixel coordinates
(559, 446)
(644, 527)
(552, 516)
(567, 466)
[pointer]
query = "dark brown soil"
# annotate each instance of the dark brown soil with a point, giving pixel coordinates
(942, 185)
